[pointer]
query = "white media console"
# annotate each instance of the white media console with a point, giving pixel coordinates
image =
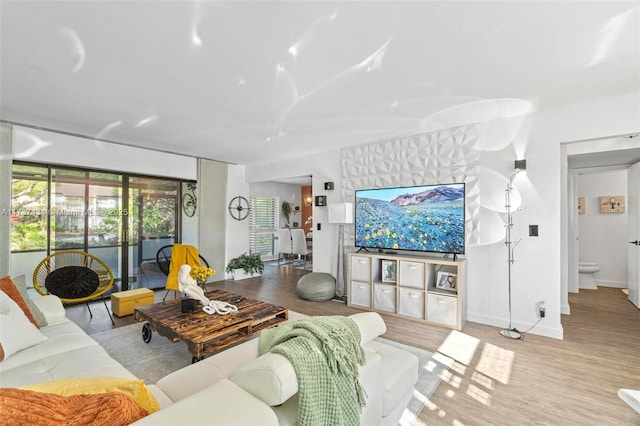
(420, 288)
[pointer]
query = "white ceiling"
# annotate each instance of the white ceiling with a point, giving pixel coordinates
(247, 81)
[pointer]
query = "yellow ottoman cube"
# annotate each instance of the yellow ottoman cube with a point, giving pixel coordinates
(124, 302)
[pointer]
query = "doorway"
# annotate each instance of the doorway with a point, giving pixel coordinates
(585, 158)
(267, 216)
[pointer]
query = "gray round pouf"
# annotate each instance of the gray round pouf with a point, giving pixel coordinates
(316, 286)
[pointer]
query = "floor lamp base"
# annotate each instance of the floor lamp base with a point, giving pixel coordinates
(511, 334)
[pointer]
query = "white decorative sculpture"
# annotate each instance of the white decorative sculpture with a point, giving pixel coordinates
(189, 286)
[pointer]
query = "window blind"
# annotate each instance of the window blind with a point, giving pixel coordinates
(263, 222)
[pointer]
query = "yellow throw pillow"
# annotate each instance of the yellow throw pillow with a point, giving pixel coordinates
(135, 389)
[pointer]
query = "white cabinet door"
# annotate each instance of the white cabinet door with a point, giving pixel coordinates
(411, 303)
(360, 294)
(361, 268)
(442, 309)
(411, 274)
(384, 297)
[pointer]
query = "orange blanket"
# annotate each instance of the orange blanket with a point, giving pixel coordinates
(180, 255)
(25, 407)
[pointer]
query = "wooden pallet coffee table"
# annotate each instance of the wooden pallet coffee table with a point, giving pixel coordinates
(207, 334)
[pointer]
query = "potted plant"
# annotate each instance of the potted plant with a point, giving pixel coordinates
(245, 266)
(286, 210)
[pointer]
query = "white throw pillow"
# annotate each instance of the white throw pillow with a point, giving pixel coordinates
(16, 331)
(21, 284)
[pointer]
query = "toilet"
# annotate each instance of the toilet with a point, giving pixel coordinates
(585, 275)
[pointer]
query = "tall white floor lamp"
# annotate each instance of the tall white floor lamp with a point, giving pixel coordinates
(340, 213)
(520, 166)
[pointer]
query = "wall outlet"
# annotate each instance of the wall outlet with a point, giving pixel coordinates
(541, 309)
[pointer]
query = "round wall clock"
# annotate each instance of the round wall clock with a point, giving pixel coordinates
(239, 208)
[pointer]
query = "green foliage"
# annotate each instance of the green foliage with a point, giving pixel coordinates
(286, 210)
(251, 263)
(28, 217)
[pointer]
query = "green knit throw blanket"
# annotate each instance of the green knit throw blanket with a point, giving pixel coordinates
(325, 353)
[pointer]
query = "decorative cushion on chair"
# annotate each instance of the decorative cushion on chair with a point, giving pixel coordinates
(72, 282)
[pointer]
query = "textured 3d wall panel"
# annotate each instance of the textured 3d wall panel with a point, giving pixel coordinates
(444, 156)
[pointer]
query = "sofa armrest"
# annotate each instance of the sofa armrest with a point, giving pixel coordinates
(222, 403)
(51, 307)
(271, 377)
(196, 377)
(371, 325)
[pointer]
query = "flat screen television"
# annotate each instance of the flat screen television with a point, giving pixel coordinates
(427, 218)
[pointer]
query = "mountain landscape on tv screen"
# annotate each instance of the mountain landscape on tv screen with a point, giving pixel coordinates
(431, 220)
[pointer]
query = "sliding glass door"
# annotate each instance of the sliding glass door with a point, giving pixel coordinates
(86, 214)
(152, 224)
(122, 219)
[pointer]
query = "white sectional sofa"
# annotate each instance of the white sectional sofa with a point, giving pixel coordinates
(67, 353)
(233, 387)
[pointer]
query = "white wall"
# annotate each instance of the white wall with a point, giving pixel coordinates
(57, 148)
(237, 231)
(539, 271)
(603, 236)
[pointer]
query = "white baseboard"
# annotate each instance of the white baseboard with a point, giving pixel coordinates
(540, 329)
(613, 284)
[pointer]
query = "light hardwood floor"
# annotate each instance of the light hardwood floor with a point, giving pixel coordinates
(494, 380)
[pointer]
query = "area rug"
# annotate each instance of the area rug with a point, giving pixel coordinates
(154, 360)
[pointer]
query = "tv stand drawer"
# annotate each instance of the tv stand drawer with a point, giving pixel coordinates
(384, 297)
(411, 274)
(361, 268)
(360, 294)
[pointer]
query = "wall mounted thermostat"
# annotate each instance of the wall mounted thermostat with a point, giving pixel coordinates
(321, 200)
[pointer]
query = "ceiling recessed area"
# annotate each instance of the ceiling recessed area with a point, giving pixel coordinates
(248, 82)
(296, 180)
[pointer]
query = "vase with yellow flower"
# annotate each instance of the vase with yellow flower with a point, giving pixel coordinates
(201, 273)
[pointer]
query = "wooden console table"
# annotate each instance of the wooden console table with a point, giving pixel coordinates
(207, 334)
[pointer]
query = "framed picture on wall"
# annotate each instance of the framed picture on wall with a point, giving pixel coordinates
(447, 281)
(612, 204)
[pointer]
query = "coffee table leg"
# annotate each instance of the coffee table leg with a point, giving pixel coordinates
(146, 332)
